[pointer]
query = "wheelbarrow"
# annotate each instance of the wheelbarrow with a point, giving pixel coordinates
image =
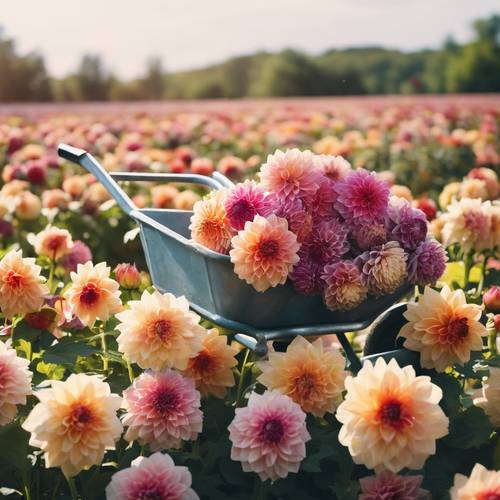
(206, 278)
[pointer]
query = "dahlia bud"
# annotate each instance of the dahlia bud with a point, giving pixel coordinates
(45, 319)
(128, 276)
(496, 322)
(491, 299)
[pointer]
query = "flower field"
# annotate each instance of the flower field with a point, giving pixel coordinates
(112, 388)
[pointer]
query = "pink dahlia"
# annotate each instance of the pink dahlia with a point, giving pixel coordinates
(326, 243)
(387, 486)
(155, 477)
(336, 168)
(306, 276)
(294, 211)
(163, 409)
(362, 197)
(405, 224)
(292, 173)
(269, 436)
(370, 235)
(79, 254)
(322, 204)
(264, 252)
(427, 263)
(344, 289)
(244, 202)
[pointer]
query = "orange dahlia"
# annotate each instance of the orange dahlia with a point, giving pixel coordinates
(443, 328)
(308, 373)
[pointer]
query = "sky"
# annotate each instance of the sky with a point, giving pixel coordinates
(193, 33)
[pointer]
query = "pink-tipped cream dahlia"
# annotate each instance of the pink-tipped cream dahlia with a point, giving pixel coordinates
(15, 382)
(482, 484)
(212, 367)
(264, 252)
(391, 418)
(159, 331)
(390, 486)
(344, 288)
(307, 372)
(335, 168)
(75, 422)
(490, 397)
(210, 226)
(269, 435)
(154, 477)
(443, 328)
(162, 410)
(291, 174)
(22, 286)
(93, 294)
(52, 242)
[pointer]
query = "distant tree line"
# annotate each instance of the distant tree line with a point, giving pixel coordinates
(472, 67)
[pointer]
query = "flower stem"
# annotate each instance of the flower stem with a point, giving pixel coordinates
(492, 341)
(105, 361)
(50, 281)
(72, 488)
(481, 279)
(467, 268)
(131, 375)
(239, 394)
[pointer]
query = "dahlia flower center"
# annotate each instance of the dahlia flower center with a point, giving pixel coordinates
(392, 414)
(150, 492)
(475, 221)
(305, 385)
(165, 400)
(268, 248)
(272, 431)
(90, 294)
(56, 242)
(456, 331)
(161, 329)
(14, 280)
(203, 362)
(80, 416)
(243, 210)
(490, 495)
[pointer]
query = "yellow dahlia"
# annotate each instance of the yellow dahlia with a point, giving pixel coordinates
(22, 287)
(209, 224)
(75, 422)
(482, 484)
(391, 418)
(93, 294)
(490, 400)
(212, 367)
(310, 374)
(443, 328)
(159, 331)
(264, 252)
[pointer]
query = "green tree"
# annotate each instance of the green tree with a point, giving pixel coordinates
(152, 85)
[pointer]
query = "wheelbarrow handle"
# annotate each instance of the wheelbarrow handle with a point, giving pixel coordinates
(203, 180)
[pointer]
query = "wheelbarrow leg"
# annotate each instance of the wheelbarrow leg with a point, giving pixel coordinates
(353, 362)
(258, 345)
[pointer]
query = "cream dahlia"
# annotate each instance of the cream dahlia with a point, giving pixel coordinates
(482, 484)
(75, 422)
(93, 294)
(308, 373)
(154, 477)
(443, 328)
(269, 436)
(159, 331)
(212, 367)
(264, 252)
(15, 382)
(391, 418)
(210, 226)
(163, 409)
(22, 286)
(52, 242)
(490, 400)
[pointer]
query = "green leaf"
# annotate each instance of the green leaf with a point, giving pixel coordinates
(52, 371)
(451, 392)
(469, 429)
(454, 273)
(66, 352)
(14, 449)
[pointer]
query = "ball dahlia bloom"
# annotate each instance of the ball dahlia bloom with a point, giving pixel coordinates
(210, 226)
(482, 484)
(489, 177)
(163, 409)
(391, 418)
(308, 373)
(155, 476)
(291, 174)
(52, 242)
(344, 289)
(306, 275)
(22, 287)
(322, 204)
(383, 269)
(264, 252)
(212, 367)
(15, 382)
(427, 263)
(244, 202)
(269, 435)
(362, 197)
(490, 398)
(405, 224)
(79, 254)
(93, 294)
(370, 235)
(387, 485)
(74, 423)
(159, 331)
(443, 328)
(298, 218)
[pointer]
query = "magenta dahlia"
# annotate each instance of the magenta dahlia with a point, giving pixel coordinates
(344, 289)
(80, 254)
(322, 204)
(269, 436)
(244, 202)
(427, 263)
(406, 224)
(387, 485)
(362, 198)
(293, 210)
(306, 276)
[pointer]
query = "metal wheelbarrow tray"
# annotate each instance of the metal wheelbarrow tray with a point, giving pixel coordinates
(207, 279)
